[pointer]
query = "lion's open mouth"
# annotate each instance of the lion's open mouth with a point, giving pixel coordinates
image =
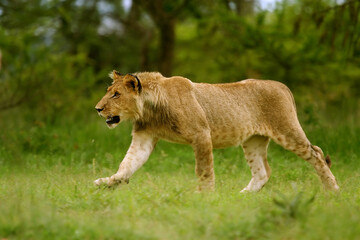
(112, 120)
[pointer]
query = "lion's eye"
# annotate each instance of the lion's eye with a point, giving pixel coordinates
(116, 95)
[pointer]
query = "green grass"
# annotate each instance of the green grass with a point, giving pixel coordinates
(46, 190)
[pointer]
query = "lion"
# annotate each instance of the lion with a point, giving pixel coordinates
(206, 116)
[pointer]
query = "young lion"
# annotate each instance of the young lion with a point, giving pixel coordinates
(207, 116)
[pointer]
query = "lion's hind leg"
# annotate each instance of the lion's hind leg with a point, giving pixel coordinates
(315, 156)
(255, 150)
(297, 142)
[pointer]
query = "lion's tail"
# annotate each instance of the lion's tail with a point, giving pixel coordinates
(328, 161)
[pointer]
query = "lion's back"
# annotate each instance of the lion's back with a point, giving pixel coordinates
(238, 110)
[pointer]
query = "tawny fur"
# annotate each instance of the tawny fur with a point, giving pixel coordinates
(206, 116)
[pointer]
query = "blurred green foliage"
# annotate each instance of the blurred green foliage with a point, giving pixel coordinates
(57, 52)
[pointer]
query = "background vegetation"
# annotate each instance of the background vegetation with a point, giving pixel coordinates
(54, 60)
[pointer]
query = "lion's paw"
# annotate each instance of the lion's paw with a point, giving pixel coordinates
(101, 181)
(250, 190)
(112, 181)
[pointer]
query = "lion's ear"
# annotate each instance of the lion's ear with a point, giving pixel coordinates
(115, 75)
(132, 83)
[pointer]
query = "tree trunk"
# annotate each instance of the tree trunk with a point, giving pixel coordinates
(145, 59)
(244, 7)
(167, 46)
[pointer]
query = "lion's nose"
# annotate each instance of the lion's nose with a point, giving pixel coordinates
(99, 109)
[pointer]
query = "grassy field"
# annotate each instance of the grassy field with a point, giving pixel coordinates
(46, 190)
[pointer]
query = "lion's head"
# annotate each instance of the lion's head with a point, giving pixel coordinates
(121, 99)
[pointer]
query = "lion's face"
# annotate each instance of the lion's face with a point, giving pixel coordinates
(120, 100)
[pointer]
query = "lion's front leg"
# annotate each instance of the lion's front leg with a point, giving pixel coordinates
(140, 149)
(204, 167)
